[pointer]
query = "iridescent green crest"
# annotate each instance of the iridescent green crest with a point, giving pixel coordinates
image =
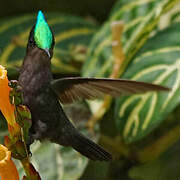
(42, 33)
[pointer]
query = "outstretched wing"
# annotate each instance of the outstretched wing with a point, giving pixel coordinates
(76, 88)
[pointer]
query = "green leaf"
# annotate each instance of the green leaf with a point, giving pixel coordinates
(73, 164)
(157, 62)
(45, 161)
(72, 36)
(140, 18)
(55, 162)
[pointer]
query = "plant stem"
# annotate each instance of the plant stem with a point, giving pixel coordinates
(117, 50)
(30, 171)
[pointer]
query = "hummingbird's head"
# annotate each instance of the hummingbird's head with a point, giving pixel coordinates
(41, 36)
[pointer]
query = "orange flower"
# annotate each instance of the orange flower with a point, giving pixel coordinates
(6, 107)
(8, 169)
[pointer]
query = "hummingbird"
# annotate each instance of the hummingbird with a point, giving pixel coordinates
(43, 95)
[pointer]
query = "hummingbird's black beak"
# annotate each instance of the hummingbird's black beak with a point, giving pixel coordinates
(47, 52)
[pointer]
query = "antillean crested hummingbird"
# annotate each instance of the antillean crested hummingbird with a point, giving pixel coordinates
(41, 94)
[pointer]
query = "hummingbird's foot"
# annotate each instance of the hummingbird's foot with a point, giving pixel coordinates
(95, 118)
(15, 93)
(14, 84)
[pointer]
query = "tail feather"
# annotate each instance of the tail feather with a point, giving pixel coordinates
(89, 149)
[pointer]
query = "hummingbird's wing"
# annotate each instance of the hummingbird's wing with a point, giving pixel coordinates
(76, 88)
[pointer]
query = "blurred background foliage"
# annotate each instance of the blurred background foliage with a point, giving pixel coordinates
(141, 131)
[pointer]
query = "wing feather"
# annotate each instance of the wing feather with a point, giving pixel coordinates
(76, 88)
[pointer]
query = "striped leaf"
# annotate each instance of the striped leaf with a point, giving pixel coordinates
(72, 35)
(141, 18)
(158, 62)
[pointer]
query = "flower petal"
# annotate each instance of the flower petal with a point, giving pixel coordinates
(8, 169)
(6, 107)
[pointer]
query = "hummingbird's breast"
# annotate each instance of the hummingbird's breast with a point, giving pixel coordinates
(32, 79)
(35, 81)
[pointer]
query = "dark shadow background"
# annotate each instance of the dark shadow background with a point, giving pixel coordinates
(99, 9)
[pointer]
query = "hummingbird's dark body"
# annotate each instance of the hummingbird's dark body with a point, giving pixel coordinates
(42, 95)
(48, 118)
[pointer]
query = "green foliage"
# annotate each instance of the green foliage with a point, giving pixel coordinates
(72, 35)
(164, 168)
(138, 115)
(158, 62)
(152, 55)
(138, 27)
(55, 162)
